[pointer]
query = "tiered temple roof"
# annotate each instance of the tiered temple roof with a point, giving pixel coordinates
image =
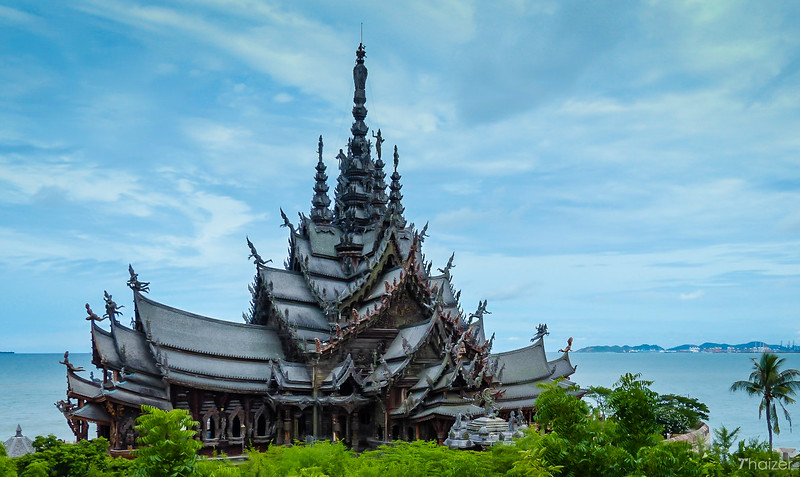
(354, 322)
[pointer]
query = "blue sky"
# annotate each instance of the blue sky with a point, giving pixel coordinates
(625, 172)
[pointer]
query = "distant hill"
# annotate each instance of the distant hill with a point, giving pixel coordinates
(749, 347)
(643, 348)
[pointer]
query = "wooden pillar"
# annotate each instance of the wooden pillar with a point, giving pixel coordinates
(335, 427)
(296, 424)
(287, 426)
(387, 432)
(441, 430)
(416, 432)
(278, 427)
(354, 429)
(248, 426)
(348, 424)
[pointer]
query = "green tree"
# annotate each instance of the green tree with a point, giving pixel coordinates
(690, 408)
(600, 395)
(62, 459)
(774, 386)
(723, 441)
(668, 459)
(168, 447)
(7, 467)
(557, 409)
(634, 408)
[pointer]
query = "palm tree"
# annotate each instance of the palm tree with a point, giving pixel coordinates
(773, 385)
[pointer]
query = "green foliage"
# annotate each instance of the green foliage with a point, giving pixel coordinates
(36, 469)
(723, 441)
(7, 467)
(692, 410)
(671, 420)
(58, 459)
(43, 443)
(668, 459)
(600, 396)
(167, 442)
(754, 458)
(634, 408)
(532, 464)
(322, 458)
(422, 458)
(774, 386)
(560, 411)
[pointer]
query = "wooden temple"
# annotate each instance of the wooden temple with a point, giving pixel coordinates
(356, 339)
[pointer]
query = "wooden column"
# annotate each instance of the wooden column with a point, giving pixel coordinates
(348, 424)
(354, 429)
(335, 427)
(287, 426)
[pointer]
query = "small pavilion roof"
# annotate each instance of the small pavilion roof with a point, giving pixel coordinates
(18, 445)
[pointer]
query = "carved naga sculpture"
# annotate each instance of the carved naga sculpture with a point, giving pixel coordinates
(135, 284)
(112, 309)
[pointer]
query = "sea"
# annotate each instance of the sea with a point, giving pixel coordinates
(30, 384)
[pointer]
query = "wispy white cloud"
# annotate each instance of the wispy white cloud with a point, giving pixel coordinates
(692, 295)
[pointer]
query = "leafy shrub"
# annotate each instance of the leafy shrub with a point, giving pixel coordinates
(59, 459)
(672, 421)
(167, 445)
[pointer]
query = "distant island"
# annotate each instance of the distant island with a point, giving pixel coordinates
(6, 352)
(751, 347)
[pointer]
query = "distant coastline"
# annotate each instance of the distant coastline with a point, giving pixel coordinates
(750, 347)
(6, 352)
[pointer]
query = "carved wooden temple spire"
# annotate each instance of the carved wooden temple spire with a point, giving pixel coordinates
(396, 208)
(354, 188)
(320, 213)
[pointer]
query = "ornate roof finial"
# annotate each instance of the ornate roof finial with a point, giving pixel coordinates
(112, 309)
(379, 199)
(320, 213)
(355, 185)
(359, 129)
(134, 283)
(396, 208)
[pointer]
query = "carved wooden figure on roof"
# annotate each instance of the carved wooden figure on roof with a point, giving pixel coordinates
(112, 309)
(91, 314)
(135, 284)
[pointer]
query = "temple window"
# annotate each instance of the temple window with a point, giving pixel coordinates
(236, 428)
(261, 425)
